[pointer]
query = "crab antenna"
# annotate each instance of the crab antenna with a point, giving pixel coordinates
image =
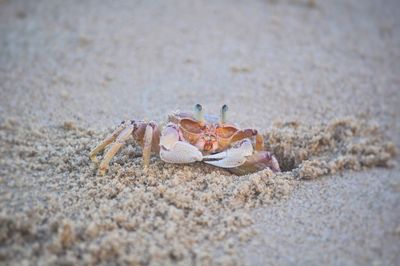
(224, 110)
(199, 114)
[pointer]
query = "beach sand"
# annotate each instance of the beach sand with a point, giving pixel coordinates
(319, 79)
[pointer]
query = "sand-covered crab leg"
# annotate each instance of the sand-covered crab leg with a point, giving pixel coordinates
(107, 141)
(146, 133)
(119, 142)
(147, 143)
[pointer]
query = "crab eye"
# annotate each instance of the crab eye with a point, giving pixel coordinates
(191, 126)
(226, 131)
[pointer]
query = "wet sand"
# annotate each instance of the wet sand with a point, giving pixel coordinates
(319, 81)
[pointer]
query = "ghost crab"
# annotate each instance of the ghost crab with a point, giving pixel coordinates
(188, 138)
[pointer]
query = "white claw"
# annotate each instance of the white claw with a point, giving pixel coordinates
(181, 152)
(228, 162)
(233, 157)
(169, 137)
(174, 151)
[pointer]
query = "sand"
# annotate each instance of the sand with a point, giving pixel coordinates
(320, 81)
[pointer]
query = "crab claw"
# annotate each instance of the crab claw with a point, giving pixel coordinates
(257, 162)
(241, 160)
(172, 150)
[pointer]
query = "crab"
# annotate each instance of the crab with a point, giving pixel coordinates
(192, 137)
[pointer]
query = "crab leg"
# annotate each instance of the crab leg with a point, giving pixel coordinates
(107, 141)
(120, 141)
(148, 137)
(259, 142)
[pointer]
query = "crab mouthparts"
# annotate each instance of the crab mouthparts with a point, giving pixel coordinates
(208, 145)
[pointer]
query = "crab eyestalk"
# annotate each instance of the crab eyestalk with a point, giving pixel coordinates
(199, 113)
(224, 110)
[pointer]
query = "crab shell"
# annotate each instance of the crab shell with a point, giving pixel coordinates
(208, 135)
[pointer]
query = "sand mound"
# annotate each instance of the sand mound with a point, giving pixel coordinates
(313, 151)
(55, 209)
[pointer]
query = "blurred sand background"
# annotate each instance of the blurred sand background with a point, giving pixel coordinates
(91, 64)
